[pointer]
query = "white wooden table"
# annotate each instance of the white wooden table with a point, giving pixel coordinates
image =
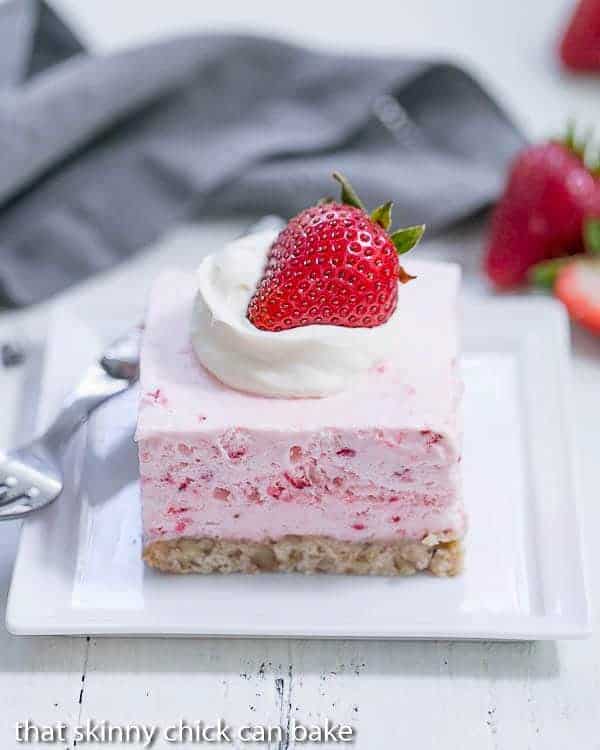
(455, 695)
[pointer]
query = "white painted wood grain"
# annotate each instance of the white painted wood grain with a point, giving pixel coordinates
(481, 695)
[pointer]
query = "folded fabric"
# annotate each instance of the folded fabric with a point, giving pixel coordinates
(102, 154)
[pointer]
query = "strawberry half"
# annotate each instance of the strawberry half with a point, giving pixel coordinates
(578, 287)
(580, 45)
(549, 194)
(333, 264)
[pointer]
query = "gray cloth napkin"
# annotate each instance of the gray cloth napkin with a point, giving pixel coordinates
(102, 154)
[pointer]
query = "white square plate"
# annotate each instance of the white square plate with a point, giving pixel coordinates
(78, 569)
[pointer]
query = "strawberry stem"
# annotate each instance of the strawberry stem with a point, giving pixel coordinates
(349, 194)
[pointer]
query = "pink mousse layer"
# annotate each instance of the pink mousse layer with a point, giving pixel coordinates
(378, 461)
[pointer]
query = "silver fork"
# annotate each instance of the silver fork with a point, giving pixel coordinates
(32, 476)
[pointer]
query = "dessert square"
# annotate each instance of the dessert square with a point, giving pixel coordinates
(362, 481)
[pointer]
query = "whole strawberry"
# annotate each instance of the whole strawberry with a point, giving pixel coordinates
(549, 193)
(333, 264)
(580, 46)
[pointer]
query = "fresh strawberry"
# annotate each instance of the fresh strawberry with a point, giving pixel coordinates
(578, 286)
(580, 45)
(333, 264)
(550, 192)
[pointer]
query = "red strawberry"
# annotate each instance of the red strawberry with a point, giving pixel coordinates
(549, 193)
(578, 286)
(333, 264)
(580, 46)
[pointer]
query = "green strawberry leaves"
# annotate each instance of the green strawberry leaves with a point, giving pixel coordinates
(407, 238)
(403, 239)
(591, 236)
(349, 194)
(382, 215)
(544, 274)
(576, 144)
(582, 146)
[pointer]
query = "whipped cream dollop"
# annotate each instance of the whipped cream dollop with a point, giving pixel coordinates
(311, 361)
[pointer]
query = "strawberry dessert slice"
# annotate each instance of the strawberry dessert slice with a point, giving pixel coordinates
(308, 417)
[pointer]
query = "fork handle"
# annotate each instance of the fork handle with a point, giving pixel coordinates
(96, 388)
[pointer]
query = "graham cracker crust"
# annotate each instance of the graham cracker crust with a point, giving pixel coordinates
(306, 554)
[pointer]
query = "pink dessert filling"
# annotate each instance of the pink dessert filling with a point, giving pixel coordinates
(379, 461)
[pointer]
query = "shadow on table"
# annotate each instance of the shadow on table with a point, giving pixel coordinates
(274, 658)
